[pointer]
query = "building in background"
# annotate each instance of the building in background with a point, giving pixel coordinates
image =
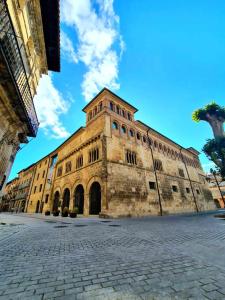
(29, 47)
(117, 166)
(217, 188)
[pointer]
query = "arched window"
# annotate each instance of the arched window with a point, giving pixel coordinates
(123, 113)
(144, 139)
(131, 133)
(118, 109)
(138, 136)
(164, 149)
(115, 125)
(89, 116)
(129, 116)
(123, 129)
(112, 106)
(95, 111)
(100, 106)
(160, 147)
(155, 144)
(150, 142)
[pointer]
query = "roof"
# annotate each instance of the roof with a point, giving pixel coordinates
(187, 149)
(50, 20)
(105, 89)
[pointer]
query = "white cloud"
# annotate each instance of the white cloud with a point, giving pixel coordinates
(100, 45)
(49, 105)
(67, 48)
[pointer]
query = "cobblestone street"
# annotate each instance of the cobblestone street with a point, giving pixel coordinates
(170, 257)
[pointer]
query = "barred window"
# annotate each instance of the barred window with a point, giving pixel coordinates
(93, 155)
(131, 157)
(79, 162)
(59, 171)
(68, 166)
(158, 165)
(181, 172)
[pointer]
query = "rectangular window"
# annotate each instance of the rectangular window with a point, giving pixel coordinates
(43, 175)
(158, 165)
(131, 157)
(188, 190)
(197, 191)
(46, 199)
(93, 155)
(59, 171)
(152, 185)
(181, 172)
(35, 189)
(68, 166)
(174, 188)
(79, 162)
(40, 188)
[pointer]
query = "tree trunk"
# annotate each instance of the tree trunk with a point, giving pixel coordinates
(217, 126)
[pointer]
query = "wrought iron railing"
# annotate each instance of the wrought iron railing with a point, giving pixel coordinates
(12, 50)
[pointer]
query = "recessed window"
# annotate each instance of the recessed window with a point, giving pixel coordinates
(68, 166)
(131, 157)
(118, 109)
(158, 165)
(112, 106)
(59, 172)
(35, 188)
(46, 199)
(181, 172)
(150, 142)
(197, 191)
(114, 125)
(43, 175)
(131, 133)
(93, 155)
(123, 113)
(100, 106)
(187, 190)
(79, 162)
(152, 185)
(138, 136)
(129, 116)
(174, 188)
(123, 129)
(144, 139)
(40, 188)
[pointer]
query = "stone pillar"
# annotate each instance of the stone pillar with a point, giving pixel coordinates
(86, 204)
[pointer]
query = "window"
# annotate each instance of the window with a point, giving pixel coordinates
(79, 162)
(123, 113)
(95, 111)
(118, 109)
(114, 125)
(174, 188)
(43, 175)
(197, 191)
(131, 157)
(131, 133)
(188, 190)
(129, 116)
(100, 106)
(158, 165)
(138, 136)
(150, 142)
(59, 172)
(112, 106)
(144, 139)
(181, 172)
(93, 155)
(40, 165)
(68, 166)
(46, 161)
(46, 199)
(37, 176)
(35, 188)
(152, 185)
(123, 129)
(89, 116)
(40, 188)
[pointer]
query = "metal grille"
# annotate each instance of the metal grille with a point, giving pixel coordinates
(12, 50)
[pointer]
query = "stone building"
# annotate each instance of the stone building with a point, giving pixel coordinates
(118, 166)
(217, 188)
(29, 47)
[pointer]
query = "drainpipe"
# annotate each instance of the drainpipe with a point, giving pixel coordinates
(156, 178)
(192, 190)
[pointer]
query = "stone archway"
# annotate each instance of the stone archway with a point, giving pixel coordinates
(79, 198)
(95, 198)
(56, 201)
(37, 207)
(66, 198)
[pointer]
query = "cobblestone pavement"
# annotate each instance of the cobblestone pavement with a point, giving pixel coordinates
(170, 257)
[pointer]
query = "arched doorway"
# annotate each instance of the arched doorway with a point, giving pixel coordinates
(56, 201)
(66, 199)
(79, 198)
(95, 198)
(37, 207)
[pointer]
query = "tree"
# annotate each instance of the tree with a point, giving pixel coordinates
(214, 148)
(214, 115)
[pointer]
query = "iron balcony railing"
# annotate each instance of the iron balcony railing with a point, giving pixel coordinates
(13, 52)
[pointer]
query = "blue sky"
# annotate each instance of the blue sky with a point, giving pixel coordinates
(164, 57)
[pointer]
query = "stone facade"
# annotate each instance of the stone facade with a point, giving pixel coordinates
(23, 59)
(117, 166)
(218, 193)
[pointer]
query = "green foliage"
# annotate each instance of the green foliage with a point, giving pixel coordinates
(215, 151)
(212, 109)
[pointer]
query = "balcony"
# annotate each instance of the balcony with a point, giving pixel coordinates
(14, 72)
